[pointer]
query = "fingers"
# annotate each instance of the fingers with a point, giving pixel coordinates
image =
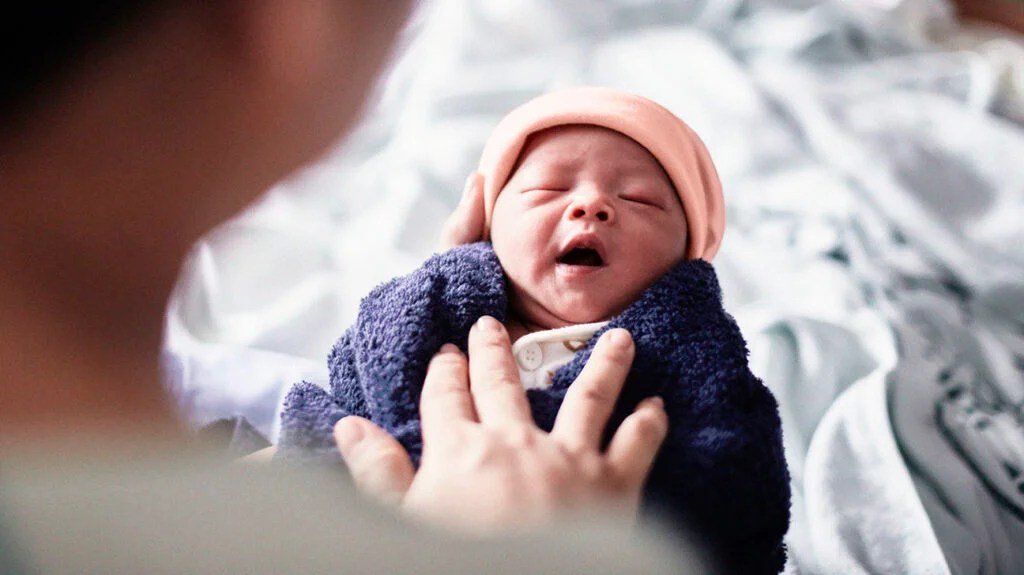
(379, 465)
(590, 399)
(494, 379)
(466, 224)
(445, 397)
(632, 450)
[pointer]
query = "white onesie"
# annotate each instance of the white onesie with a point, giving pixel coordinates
(540, 354)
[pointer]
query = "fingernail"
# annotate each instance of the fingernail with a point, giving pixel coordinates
(348, 432)
(656, 402)
(449, 348)
(620, 337)
(489, 324)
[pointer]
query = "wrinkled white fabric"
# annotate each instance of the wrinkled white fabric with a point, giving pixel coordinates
(867, 167)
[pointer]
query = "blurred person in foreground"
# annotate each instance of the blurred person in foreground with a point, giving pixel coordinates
(127, 129)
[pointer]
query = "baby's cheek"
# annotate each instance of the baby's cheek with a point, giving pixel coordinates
(517, 262)
(509, 253)
(504, 245)
(518, 246)
(643, 272)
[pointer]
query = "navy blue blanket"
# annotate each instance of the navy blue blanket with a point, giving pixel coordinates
(721, 471)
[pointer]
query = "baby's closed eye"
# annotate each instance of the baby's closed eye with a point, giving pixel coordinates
(647, 200)
(546, 186)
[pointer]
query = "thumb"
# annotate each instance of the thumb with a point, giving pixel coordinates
(380, 467)
(466, 224)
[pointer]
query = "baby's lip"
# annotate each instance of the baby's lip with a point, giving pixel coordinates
(587, 241)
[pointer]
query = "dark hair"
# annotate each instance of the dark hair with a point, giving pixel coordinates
(44, 39)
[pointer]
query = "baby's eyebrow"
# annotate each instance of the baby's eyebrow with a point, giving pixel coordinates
(547, 170)
(644, 176)
(556, 165)
(641, 171)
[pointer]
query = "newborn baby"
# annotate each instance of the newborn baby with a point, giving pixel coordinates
(603, 210)
(588, 220)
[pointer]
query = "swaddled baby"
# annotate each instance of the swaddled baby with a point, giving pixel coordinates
(603, 210)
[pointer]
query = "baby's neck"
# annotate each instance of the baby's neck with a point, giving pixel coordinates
(518, 327)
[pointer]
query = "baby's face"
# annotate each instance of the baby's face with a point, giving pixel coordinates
(586, 223)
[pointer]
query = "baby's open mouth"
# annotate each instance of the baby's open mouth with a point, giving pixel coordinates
(582, 253)
(582, 257)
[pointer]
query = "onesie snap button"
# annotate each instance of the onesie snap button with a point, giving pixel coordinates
(530, 357)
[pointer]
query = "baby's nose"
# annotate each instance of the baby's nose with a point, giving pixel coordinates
(591, 206)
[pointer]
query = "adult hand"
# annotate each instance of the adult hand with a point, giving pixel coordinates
(486, 465)
(466, 224)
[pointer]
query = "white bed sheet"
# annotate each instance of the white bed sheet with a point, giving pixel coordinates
(873, 179)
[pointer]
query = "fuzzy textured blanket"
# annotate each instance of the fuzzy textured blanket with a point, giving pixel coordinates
(721, 471)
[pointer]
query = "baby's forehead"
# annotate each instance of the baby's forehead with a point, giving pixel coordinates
(567, 146)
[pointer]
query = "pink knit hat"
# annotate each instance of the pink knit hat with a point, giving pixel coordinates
(680, 151)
